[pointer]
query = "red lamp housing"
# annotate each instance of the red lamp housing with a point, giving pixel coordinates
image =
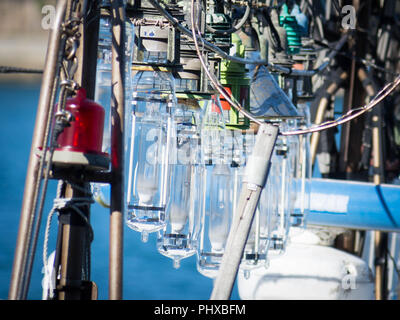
(85, 133)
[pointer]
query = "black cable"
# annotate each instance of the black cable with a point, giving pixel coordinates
(273, 32)
(358, 59)
(336, 5)
(393, 260)
(233, 28)
(7, 69)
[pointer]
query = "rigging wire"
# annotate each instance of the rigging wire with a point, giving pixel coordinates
(51, 133)
(9, 69)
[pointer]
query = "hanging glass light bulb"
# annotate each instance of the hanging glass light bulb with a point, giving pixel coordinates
(178, 239)
(101, 191)
(217, 196)
(293, 143)
(303, 172)
(268, 210)
(281, 170)
(149, 144)
(240, 143)
(255, 249)
(103, 74)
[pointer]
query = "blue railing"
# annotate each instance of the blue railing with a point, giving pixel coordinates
(354, 205)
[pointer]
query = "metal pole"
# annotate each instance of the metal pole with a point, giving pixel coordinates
(30, 194)
(74, 261)
(74, 247)
(380, 238)
(117, 150)
(254, 181)
(323, 104)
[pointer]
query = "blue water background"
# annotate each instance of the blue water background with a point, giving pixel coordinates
(147, 274)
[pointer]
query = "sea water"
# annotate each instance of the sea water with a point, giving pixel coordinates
(147, 274)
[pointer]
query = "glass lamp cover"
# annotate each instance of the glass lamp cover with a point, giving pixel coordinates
(217, 196)
(178, 239)
(255, 252)
(281, 170)
(294, 154)
(303, 171)
(101, 191)
(148, 155)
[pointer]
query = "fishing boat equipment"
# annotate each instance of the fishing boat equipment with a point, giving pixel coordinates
(183, 66)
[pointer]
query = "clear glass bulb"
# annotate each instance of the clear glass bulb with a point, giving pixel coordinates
(148, 151)
(179, 211)
(148, 170)
(213, 132)
(103, 90)
(103, 77)
(103, 73)
(281, 169)
(220, 209)
(255, 251)
(303, 172)
(178, 239)
(217, 195)
(294, 185)
(268, 208)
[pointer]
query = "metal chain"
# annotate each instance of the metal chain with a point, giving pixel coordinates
(69, 67)
(68, 86)
(351, 114)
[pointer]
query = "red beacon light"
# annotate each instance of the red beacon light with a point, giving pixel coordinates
(81, 143)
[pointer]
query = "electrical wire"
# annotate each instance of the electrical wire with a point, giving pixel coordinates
(223, 55)
(393, 261)
(352, 114)
(216, 84)
(365, 62)
(207, 44)
(235, 27)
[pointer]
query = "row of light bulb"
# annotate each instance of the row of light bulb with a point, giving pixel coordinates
(183, 169)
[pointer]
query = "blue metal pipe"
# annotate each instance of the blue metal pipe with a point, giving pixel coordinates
(354, 205)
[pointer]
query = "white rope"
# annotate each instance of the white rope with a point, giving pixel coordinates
(60, 204)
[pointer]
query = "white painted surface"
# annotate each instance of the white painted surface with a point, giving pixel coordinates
(309, 271)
